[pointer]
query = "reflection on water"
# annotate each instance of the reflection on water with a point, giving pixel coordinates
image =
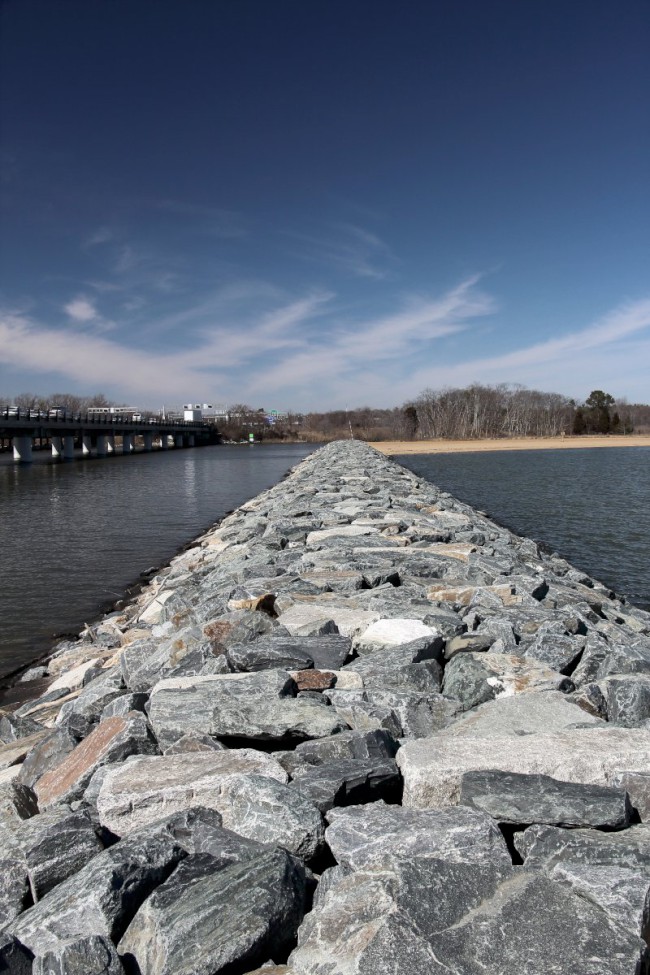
(591, 506)
(74, 535)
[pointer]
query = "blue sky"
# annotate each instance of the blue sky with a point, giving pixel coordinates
(312, 204)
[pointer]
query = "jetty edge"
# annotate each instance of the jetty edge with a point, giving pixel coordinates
(357, 727)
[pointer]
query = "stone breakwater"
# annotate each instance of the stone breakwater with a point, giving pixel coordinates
(356, 729)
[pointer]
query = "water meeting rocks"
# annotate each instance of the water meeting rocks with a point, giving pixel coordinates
(353, 674)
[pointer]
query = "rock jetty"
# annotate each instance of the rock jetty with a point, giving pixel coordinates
(356, 729)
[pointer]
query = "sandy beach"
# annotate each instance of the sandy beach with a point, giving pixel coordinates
(396, 447)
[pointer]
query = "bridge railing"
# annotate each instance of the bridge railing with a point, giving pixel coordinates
(93, 419)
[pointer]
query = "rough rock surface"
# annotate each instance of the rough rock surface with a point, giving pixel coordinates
(145, 789)
(204, 919)
(350, 624)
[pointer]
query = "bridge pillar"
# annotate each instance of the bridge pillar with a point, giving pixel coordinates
(86, 444)
(110, 443)
(68, 447)
(102, 448)
(190, 440)
(148, 441)
(178, 440)
(57, 447)
(163, 441)
(127, 443)
(23, 449)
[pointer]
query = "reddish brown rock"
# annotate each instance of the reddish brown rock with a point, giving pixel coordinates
(113, 740)
(314, 680)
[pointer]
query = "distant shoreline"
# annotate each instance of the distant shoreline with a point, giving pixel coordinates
(396, 447)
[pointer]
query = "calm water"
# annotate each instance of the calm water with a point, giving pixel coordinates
(591, 506)
(74, 535)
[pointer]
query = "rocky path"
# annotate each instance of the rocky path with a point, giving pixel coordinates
(356, 729)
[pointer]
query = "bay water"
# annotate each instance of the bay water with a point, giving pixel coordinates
(592, 506)
(74, 536)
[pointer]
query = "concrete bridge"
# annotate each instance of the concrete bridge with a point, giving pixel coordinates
(95, 434)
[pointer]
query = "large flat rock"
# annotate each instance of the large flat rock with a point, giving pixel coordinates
(257, 707)
(432, 768)
(149, 788)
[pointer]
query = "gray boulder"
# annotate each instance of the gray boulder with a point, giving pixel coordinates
(348, 782)
(138, 792)
(543, 846)
(51, 847)
(473, 678)
(363, 837)
(532, 924)
(90, 955)
(102, 897)
(374, 746)
(621, 892)
(14, 886)
(514, 798)
(269, 811)
(386, 922)
(398, 668)
(14, 959)
(402, 712)
(631, 657)
(627, 698)
(240, 916)
(255, 707)
(432, 768)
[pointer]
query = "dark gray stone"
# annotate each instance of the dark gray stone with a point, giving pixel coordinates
(399, 668)
(267, 655)
(103, 897)
(402, 712)
(474, 678)
(14, 886)
(364, 837)
(532, 924)
(622, 892)
(91, 955)
(14, 958)
(518, 799)
(256, 707)
(13, 727)
(240, 915)
(349, 782)
(17, 802)
(369, 745)
(627, 697)
(632, 657)
(560, 653)
(543, 846)
(386, 922)
(51, 846)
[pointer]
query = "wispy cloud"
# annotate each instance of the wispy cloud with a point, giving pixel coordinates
(103, 235)
(81, 310)
(349, 249)
(307, 352)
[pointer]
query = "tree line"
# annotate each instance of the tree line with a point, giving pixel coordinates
(471, 412)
